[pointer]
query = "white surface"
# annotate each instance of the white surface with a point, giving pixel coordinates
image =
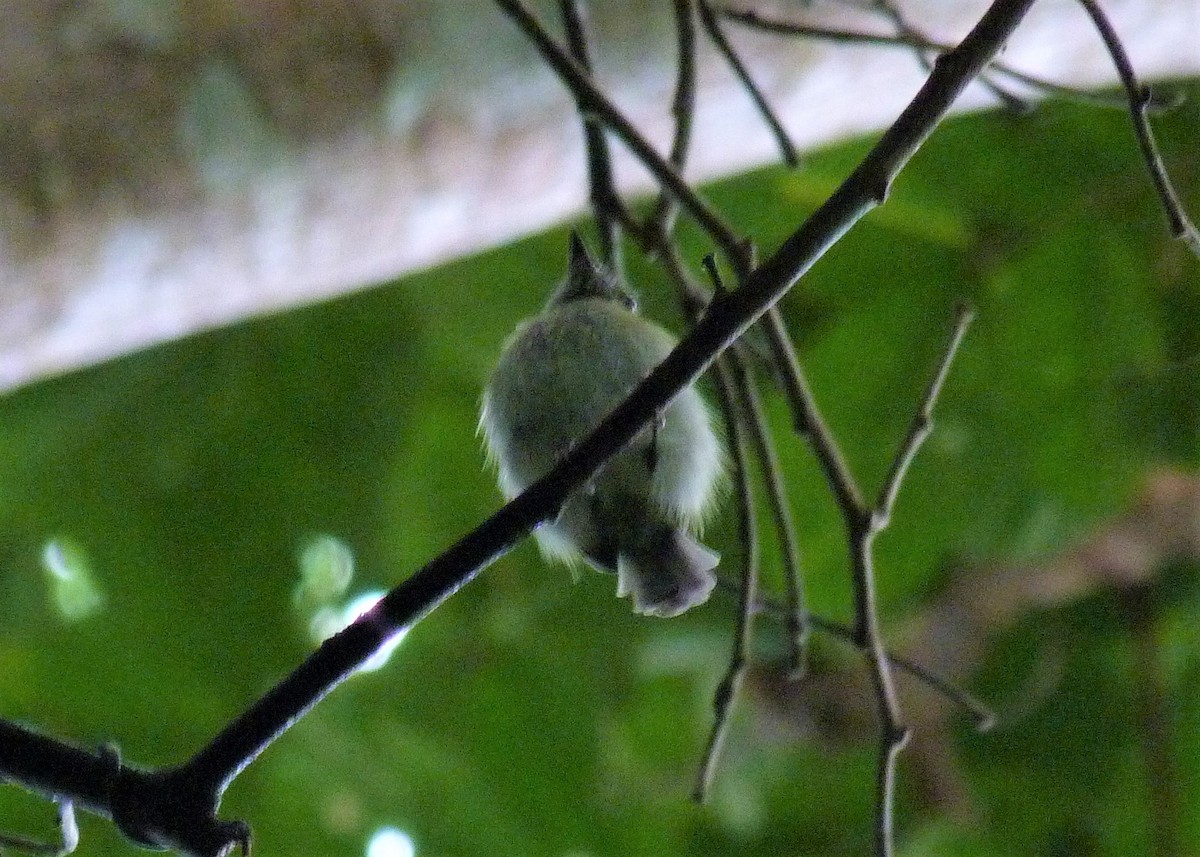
(370, 206)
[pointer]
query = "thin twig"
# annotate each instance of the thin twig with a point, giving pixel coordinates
(598, 105)
(867, 633)
(808, 420)
(711, 26)
(787, 370)
(68, 833)
(767, 24)
(781, 512)
(982, 715)
(893, 13)
(922, 423)
(1157, 104)
(606, 203)
(1139, 97)
(683, 108)
(730, 686)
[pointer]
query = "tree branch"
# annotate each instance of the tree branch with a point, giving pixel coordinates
(609, 209)
(730, 685)
(68, 832)
(863, 528)
(177, 808)
(713, 27)
(594, 102)
(683, 108)
(984, 717)
(917, 41)
(1139, 99)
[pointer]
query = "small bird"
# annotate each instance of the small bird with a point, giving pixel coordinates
(559, 375)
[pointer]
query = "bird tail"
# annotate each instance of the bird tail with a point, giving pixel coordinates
(666, 572)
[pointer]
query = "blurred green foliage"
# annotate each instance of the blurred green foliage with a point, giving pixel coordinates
(191, 484)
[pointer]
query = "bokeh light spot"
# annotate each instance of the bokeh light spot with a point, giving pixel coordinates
(72, 584)
(391, 842)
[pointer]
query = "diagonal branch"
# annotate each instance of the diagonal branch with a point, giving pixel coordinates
(1139, 100)
(863, 528)
(176, 808)
(683, 107)
(922, 423)
(730, 685)
(594, 102)
(609, 209)
(984, 717)
(712, 26)
(916, 41)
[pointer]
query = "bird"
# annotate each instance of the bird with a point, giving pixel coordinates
(559, 374)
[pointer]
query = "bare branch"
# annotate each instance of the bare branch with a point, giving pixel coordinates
(68, 832)
(867, 633)
(711, 26)
(922, 423)
(1139, 98)
(781, 512)
(683, 108)
(731, 682)
(610, 211)
(915, 41)
(595, 103)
